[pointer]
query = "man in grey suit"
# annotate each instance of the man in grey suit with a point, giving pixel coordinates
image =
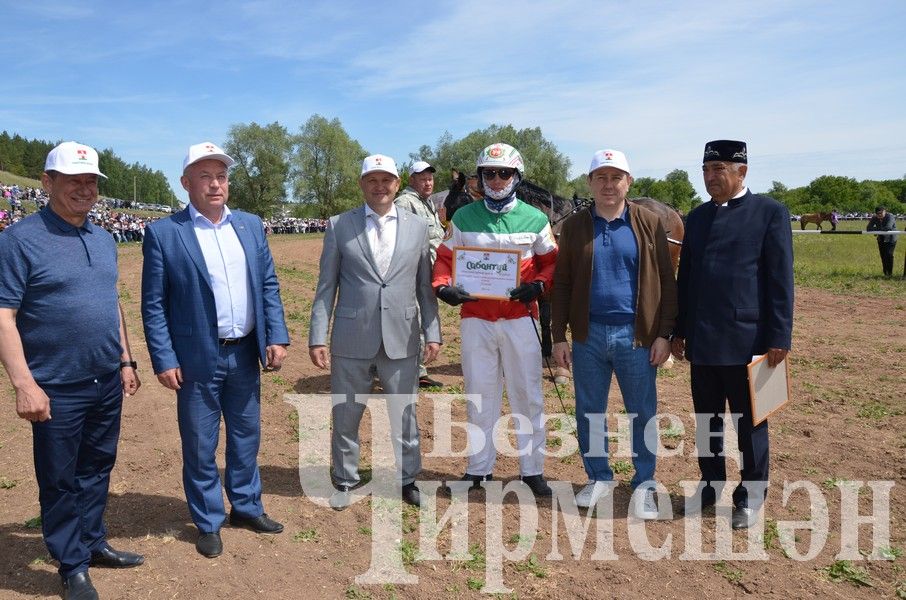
(375, 280)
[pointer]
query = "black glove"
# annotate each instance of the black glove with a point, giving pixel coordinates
(527, 292)
(454, 295)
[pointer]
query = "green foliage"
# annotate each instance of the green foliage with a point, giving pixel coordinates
(262, 153)
(622, 467)
(327, 166)
(6, 483)
(133, 182)
(732, 575)
(843, 570)
(844, 194)
(675, 189)
(306, 535)
(33, 523)
(533, 566)
(544, 164)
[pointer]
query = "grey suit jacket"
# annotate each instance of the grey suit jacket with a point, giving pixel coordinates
(368, 309)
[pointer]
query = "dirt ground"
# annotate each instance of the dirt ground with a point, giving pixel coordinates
(846, 424)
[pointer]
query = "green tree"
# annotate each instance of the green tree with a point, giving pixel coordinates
(326, 166)
(544, 164)
(262, 154)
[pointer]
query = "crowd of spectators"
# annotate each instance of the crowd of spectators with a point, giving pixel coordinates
(112, 215)
(294, 225)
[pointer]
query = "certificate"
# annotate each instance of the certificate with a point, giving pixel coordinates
(486, 272)
(769, 388)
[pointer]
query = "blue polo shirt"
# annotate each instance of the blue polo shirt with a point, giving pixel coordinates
(615, 271)
(61, 280)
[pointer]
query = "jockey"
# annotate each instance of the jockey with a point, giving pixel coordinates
(498, 337)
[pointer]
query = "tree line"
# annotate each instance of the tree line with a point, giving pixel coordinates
(314, 172)
(25, 157)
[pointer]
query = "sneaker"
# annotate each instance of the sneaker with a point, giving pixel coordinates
(645, 506)
(591, 493)
(538, 485)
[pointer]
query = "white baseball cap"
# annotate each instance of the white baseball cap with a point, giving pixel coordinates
(419, 166)
(609, 158)
(204, 151)
(72, 158)
(379, 162)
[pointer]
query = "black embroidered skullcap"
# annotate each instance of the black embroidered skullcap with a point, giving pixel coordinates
(726, 150)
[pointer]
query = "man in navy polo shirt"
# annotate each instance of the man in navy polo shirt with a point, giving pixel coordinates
(64, 346)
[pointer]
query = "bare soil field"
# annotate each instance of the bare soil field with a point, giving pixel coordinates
(846, 424)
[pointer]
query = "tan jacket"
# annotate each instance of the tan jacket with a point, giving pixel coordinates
(656, 306)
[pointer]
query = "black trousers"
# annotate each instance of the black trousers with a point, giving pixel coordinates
(886, 251)
(712, 388)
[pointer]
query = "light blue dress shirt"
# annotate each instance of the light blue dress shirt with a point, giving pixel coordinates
(225, 260)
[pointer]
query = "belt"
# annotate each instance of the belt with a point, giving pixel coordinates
(231, 341)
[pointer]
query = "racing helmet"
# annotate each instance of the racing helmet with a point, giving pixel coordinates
(500, 155)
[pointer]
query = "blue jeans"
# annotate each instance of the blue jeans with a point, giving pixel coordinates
(608, 349)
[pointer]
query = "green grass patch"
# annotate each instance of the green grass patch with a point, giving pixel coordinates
(845, 264)
(622, 467)
(532, 565)
(306, 535)
(843, 570)
(33, 523)
(6, 483)
(732, 575)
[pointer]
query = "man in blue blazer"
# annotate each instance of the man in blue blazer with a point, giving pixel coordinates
(212, 311)
(735, 300)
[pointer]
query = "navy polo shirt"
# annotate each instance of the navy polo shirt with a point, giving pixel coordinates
(62, 281)
(615, 271)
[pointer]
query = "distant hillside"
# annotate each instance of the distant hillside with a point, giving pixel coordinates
(7, 178)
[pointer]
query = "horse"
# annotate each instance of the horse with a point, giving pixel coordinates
(816, 218)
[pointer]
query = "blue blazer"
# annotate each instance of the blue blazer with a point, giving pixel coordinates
(178, 311)
(736, 281)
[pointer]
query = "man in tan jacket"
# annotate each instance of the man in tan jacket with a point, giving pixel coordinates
(614, 287)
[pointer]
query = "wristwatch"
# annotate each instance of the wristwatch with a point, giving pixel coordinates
(129, 363)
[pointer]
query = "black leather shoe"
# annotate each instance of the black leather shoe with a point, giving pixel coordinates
(260, 524)
(427, 382)
(105, 556)
(475, 479)
(340, 499)
(79, 587)
(743, 517)
(411, 495)
(209, 544)
(538, 485)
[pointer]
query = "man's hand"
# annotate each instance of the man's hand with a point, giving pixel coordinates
(660, 352)
(678, 348)
(527, 292)
(432, 349)
(776, 356)
(562, 354)
(276, 354)
(171, 378)
(454, 295)
(32, 404)
(130, 379)
(319, 356)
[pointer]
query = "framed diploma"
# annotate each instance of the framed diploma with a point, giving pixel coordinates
(486, 272)
(769, 388)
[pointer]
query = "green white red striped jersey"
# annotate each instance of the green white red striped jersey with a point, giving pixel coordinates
(518, 227)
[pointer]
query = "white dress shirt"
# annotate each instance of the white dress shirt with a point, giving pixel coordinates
(388, 222)
(227, 267)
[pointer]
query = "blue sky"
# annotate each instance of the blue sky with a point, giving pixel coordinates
(814, 87)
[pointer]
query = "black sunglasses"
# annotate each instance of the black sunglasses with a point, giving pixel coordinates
(504, 174)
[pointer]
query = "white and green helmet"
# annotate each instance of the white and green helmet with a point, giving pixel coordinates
(501, 155)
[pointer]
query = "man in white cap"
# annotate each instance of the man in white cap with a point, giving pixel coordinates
(416, 199)
(212, 312)
(64, 346)
(619, 302)
(374, 282)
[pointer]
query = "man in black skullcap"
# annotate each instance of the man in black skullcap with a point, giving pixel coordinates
(735, 300)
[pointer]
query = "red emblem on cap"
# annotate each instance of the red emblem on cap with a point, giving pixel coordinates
(377, 160)
(608, 155)
(82, 153)
(495, 152)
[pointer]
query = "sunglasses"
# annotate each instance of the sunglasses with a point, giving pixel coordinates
(504, 174)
